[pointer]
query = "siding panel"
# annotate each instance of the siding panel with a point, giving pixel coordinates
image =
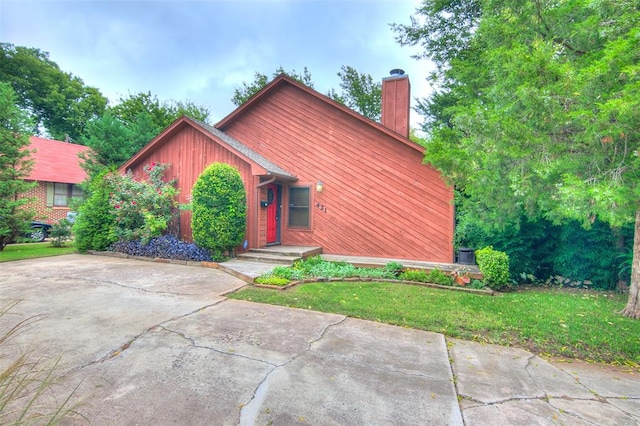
(380, 199)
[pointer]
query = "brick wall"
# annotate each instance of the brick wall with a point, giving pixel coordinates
(44, 213)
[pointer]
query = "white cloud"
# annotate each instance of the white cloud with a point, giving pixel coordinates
(203, 50)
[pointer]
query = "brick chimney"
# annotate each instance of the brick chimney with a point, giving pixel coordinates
(396, 93)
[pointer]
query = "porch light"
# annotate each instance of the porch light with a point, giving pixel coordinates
(319, 186)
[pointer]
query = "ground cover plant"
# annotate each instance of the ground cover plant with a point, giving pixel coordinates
(318, 268)
(165, 247)
(576, 324)
(34, 250)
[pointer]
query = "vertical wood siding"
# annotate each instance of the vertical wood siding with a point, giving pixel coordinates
(378, 198)
(189, 151)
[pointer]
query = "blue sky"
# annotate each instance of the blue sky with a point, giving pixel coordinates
(202, 50)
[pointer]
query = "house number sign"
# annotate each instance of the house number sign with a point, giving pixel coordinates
(321, 207)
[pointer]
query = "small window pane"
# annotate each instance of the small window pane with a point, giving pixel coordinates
(60, 194)
(299, 206)
(299, 217)
(76, 191)
(299, 197)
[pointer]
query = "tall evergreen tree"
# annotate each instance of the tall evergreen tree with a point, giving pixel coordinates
(15, 165)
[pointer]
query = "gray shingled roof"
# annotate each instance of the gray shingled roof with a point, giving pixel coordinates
(271, 168)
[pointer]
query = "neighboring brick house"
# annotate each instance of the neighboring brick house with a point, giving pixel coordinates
(57, 172)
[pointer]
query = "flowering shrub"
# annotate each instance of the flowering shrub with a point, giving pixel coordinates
(142, 209)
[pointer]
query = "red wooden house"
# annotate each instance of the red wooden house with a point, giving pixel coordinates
(317, 173)
(57, 171)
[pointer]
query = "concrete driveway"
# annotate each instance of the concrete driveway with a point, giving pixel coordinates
(155, 343)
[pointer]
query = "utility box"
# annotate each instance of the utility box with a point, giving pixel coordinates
(466, 256)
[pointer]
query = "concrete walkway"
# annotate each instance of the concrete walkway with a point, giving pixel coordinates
(154, 343)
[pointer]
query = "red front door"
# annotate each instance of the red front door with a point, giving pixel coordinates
(273, 214)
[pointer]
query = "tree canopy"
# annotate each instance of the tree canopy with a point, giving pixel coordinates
(57, 101)
(64, 108)
(161, 113)
(536, 107)
(242, 94)
(129, 125)
(359, 92)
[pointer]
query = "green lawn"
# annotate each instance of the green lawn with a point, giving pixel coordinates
(33, 250)
(574, 324)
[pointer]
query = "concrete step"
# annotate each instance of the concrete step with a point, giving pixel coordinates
(294, 251)
(267, 258)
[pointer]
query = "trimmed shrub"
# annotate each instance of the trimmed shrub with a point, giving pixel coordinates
(219, 209)
(494, 266)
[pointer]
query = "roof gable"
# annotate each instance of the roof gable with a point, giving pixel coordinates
(264, 165)
(56, 161)
(284, 79)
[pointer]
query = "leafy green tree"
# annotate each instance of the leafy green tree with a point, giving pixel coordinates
(242, 95)
(15, 165)
(161, 114)
(219, 209)
(537, 108)
(359, 92)
(57, 101)
(128, 126)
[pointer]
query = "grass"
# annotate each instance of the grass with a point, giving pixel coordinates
(33, 250)
(576, 324)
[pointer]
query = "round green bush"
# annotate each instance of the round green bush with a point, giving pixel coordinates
(494, 266)
(219, 203)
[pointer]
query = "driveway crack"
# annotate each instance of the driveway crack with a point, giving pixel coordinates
(322, 334)
(116, 284)
(120, 349)
(211, 348)
(249, 412)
